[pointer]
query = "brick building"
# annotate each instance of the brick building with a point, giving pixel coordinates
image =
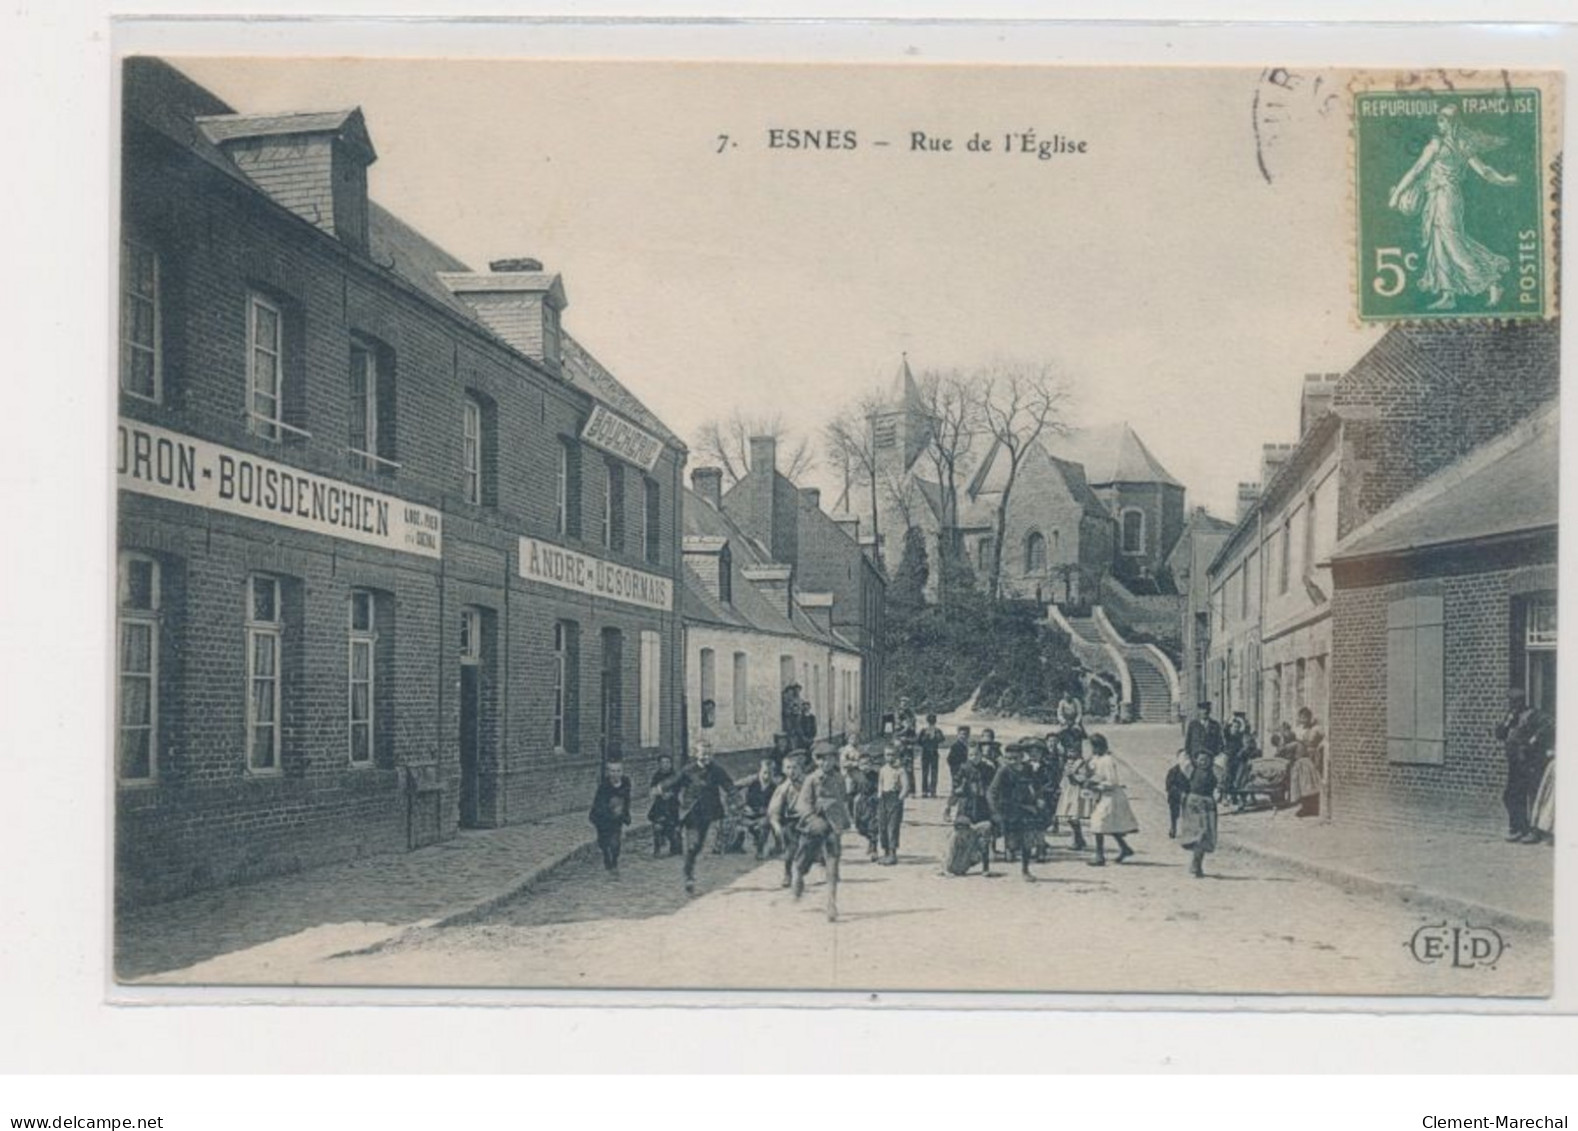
(824, 556)
(1421, 399)
(396, 554)
(1202, 537)
(750, 633)
(1444, 600)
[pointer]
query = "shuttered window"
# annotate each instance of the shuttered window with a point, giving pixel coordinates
(652, 688)
(1415, 681)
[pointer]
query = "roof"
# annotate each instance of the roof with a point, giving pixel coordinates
(1079, 487)
(1110, 454)
(168, 102)
(233, 127)
(750, 608)
(1505, 487)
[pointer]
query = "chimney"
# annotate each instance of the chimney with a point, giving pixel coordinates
(518, 301)
(1272, 457)
(314, 164)
(811, 497)
(764, 453)
(819, 607)
(708, 483)
(1320, 389)
(776, 582)
(1248, 496)
(707, 556)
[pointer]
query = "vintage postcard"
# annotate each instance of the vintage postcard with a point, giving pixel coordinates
(731, 526)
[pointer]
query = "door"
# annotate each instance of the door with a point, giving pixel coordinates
(470, 715)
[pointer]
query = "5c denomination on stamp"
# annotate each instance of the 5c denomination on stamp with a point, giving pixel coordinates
(1450, 188)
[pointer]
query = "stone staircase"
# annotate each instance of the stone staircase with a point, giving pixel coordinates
(1150, 685)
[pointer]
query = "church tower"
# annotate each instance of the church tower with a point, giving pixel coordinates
(900, 427)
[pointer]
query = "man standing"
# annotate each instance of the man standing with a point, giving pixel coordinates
(930, 740)
(958, 755)
(823, 811)
(1525, 734)
(1203, 734)
(892, 789)
(700, 787)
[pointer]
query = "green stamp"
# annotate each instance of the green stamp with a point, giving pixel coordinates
(1450, 187)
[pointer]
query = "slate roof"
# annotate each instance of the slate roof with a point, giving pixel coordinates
(1111, 454)
(750, 609)
(165, 100)
(1505, 487)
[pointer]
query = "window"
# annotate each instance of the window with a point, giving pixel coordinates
(983, 556)
(612, 693)
(550, 335)
(140, 360)
(471, 449)
(370, 444)
(1133, 531)
(363, 638)
(652, 529)
(568, 518)
(1285, 556)
(742, 689)
(136, 742)
(614, 505)
(265, 367)
(708, 682)
(264, 627)
(566, 692)
(1249, 574)
(470, 636)
(1309, 534)
(1300, 683)
(652, 688)
(1035, 553)
(1538, 666)
(785, 672)
(885, 432)
(1415, 681)
(726, 576)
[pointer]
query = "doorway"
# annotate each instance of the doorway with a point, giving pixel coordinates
(470, 716)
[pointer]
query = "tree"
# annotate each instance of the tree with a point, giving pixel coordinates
(908, 588)
(1018, 404)
(852, 449)
(726, 442)
(950, 409)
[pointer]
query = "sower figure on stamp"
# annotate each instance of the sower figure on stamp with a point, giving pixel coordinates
(823, 811)
(1455, 263)
(611, 813)
(700, 788)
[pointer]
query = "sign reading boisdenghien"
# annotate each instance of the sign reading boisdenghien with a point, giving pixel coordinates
(168, 465)
(1450, 189)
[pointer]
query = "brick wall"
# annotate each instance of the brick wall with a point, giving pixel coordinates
(1476, 596)
(206, 819)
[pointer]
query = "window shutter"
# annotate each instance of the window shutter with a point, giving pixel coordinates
(572, 489)
(1400, 698)
(1429, 681)
(616, 505)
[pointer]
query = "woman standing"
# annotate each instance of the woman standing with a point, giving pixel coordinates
(1197, 824)
(1304, 774)
(1112, 815)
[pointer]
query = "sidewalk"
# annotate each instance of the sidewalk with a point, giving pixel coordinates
(289, 920)
(1479, 876)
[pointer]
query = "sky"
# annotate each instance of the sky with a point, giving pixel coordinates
(1184, 273)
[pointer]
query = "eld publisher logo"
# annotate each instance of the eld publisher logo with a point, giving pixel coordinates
(1464, 947)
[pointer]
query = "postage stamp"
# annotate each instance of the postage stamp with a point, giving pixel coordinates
(1450, 190)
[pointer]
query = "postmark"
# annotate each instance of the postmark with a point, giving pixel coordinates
(1450, 188)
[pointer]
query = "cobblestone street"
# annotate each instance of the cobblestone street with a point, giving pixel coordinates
(1255, 925)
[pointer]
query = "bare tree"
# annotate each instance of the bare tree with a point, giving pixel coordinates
(1018, 405)
(851, 448)
(727, 443)
(953, 426)
(901, 493)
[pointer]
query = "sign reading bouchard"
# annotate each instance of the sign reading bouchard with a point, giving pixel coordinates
(617, 436)
(568, 569)
(168, 465)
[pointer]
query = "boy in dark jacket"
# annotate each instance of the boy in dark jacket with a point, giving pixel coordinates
(611, 813)
(1177, 788)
